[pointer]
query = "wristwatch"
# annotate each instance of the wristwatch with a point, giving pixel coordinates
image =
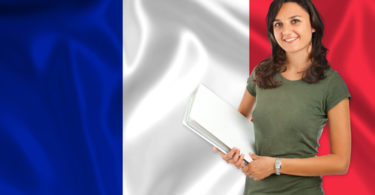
(278, 166)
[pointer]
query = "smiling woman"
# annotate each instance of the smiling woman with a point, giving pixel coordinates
(296, 93)
(294, 29)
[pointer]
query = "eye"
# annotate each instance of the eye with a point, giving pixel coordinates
(277, 24)
(295, 21)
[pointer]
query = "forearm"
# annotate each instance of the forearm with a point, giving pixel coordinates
(331, 164)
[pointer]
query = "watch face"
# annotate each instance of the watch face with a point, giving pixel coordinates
(278, 163)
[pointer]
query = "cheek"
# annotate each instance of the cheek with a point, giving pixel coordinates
(307, 35)
(277, 36)
(306, 32)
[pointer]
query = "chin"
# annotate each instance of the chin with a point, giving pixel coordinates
(292, 50)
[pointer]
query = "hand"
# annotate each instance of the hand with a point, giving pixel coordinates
(260, 168)
(232, 157)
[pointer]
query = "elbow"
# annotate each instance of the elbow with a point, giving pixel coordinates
(245, 114)
(343, 167)
(340, 164)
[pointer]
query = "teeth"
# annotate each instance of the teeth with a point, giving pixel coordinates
(291, 39)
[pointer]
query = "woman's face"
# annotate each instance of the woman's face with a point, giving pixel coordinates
(292, 28)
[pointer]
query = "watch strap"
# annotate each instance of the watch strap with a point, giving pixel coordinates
(277, 166)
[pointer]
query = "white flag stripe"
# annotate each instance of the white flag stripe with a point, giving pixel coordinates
(169, 48)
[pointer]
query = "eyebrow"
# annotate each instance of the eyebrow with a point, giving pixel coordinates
(291, 17)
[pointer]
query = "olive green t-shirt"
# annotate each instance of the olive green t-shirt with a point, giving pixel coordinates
(288, 121)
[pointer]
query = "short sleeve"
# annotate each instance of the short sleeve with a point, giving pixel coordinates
(251, 85)
(336, 91)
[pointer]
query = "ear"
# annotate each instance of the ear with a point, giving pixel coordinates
(313, 30)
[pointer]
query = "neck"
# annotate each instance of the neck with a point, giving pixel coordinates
(298, 61)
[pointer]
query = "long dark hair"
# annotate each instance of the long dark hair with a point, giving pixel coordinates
(267, 68)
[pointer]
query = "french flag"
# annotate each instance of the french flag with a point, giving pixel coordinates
(93, 93)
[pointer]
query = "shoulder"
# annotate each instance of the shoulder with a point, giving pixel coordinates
(330, 73)
(336, 89)
(332, 76)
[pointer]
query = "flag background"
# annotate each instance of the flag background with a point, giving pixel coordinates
(61, 97)
(65, 98)
(351, 45)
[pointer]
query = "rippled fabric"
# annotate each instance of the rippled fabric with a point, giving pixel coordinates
(169, 48)
(61, 97)
(349, 36)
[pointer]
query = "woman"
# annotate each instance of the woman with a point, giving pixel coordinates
(295, 93)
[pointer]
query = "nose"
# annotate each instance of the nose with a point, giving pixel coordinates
(286, 30)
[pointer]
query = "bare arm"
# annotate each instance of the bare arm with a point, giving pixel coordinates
(246, 104)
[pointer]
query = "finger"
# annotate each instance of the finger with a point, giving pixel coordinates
(250, 169)
(217, 150)
(231, 153)
(223, 156)
(236, 156)
(245, 172)
(239, 163)
(246, 168)
(253, 156)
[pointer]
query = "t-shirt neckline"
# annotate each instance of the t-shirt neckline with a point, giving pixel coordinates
(287, 80)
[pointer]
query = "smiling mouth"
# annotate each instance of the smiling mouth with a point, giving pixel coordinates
(289, 40)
